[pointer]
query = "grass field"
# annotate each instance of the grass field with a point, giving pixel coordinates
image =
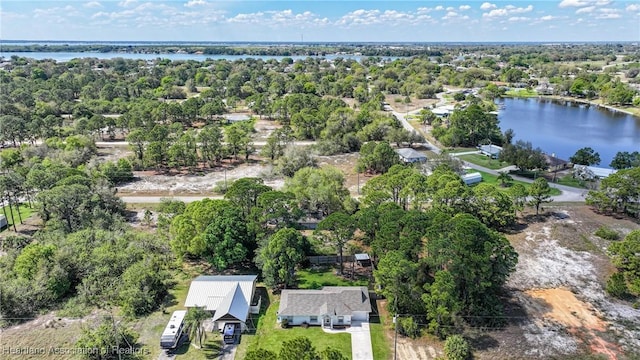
(569, 180)
(317, 278)
(379, 342)
(521, 93)
(25, 212)
(493, 179)
(484, 161)
(455, 150)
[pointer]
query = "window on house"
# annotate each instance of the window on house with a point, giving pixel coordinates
(313, 319)
(340, 319)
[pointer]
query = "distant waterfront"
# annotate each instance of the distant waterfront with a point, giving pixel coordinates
(561, 128)
(66, 56)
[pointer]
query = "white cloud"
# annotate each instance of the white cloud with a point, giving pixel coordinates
(464, 7)
(127, 3)
(192, 3)
(518, 18)
(548, 18)
(439, 8)
(450, 8)
(487, 6)
(581, 3)
(633, 7)
(584, 10)
(507, 10)
(92, 4)
(280, 18)
(608, 13)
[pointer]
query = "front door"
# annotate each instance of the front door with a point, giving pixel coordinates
(327, 321)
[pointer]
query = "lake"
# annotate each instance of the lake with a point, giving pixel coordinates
(562, 128)
(66, 56)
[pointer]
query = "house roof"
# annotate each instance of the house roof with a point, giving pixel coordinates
(234, 304)
(330, 300)
(361, 257)
(491, 149)
(597, 171)
(224, 294)
(554, 161)
(408, 153)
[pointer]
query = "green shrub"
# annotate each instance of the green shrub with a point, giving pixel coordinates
(408, 327)
(457, 348)
(607, 233)
(617, 286)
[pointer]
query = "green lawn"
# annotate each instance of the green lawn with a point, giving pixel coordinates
(381, 349)
(317, 278)
(25, 212)
(484, 161)
(521, 93)
(493, 179)
(269, 335)
(569, 180)
(455, 150)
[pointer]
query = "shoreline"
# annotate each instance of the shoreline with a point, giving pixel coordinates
(579, 101)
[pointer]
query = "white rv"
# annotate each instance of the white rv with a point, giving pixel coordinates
(173, 332)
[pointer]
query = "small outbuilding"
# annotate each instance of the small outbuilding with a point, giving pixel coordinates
(409, 156)
(492, 151)
(363, 259)
(472, 178)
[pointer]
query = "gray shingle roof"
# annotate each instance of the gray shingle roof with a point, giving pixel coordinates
(408, 153)
(332, 300)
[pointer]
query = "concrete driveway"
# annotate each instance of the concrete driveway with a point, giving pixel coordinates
(360, 341)
(228, 351)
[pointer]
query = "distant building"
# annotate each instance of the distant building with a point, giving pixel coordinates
(492, 151)
(598, 172)
(472, 178)
(409, 156)
(556, 164)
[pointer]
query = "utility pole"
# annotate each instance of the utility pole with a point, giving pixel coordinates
(395, 337)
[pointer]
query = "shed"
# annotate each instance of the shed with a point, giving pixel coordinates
(363, 259)
(3, 222)
(408, 155)
(492, 151)
(472, 178)
(232, 118)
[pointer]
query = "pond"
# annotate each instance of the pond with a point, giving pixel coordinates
(561, 128)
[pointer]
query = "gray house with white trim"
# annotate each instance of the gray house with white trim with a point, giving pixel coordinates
(408, 156)
(329, 307)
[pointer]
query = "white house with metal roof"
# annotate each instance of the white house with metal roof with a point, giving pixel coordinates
(330, 306)
(228, 297)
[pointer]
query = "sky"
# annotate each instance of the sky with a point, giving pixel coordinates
(321, 21)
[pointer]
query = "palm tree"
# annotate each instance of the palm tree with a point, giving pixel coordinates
(193, 322)
(504, 178)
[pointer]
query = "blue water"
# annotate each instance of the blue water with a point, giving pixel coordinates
(66, 56)
(562, 128)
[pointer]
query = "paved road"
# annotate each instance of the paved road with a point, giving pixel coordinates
(361, 348)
